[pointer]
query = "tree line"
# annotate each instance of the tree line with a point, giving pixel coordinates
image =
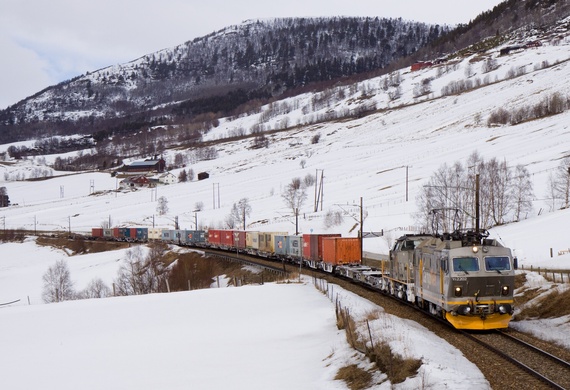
(447, 202)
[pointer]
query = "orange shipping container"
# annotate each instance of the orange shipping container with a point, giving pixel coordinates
(341, 250)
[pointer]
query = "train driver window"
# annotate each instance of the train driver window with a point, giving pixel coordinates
(497, 263)
(465, 264)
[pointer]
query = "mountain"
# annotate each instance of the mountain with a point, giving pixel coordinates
(216, 73)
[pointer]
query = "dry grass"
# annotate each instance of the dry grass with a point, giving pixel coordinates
(396, 367)
(355, 377)
(555, 304)
(80, 246)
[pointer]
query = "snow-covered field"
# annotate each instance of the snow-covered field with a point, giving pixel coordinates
(279, 336)
(204, 339)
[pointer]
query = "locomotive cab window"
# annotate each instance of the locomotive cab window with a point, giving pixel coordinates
(497, 263)
(465, 264)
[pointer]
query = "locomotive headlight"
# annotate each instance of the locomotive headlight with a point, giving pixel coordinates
(505, 308)
(475, 249)
(458, 291)
(464, 310)
(505, 290)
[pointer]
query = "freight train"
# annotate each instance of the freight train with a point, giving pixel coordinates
(464, 277)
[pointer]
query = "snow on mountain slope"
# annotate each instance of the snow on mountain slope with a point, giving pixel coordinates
(365, 157)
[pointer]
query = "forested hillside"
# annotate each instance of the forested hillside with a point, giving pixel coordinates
(256, 60)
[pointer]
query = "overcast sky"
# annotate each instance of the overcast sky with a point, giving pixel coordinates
(44, 42)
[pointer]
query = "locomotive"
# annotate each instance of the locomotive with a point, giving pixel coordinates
(463, 277)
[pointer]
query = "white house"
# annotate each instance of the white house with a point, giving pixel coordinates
(167, 178)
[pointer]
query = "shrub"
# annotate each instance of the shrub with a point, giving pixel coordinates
(499, 117)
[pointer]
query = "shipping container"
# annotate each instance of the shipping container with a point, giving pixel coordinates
(294, 246)
(108, 233)
(267, 241)
(97, 232)
(280, 245)
(252, 240)
(141, 234)
(154, 233)
(313, 247)
(175, 236)
(122, 233)
(215, 237)
(240, 239)
(168, 235)
(227, 238)
(341, 250)
(193, 236)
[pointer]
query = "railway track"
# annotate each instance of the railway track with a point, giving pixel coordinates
(243, 260)
(514, 363)
(548, 368)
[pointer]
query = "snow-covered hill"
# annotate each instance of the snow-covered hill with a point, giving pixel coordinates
(365, 157)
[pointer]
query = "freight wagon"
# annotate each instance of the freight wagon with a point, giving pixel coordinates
(313, 248)
(339, 251)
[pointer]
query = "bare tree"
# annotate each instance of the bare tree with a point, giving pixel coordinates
(447, 202)
(107, 223)
(499, 181)
(522, 192)
(128, 277)
(58, 286)
(294, 195)
(95, 289)
(240, 211)
(230, 221)
(140, 274)
(162, 206)
(333, 218)
(562, 182)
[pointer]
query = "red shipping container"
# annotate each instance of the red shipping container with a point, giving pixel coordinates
(342, 250)
(227, 238)
(313, 246)
(215, 236)
(239, 241)
(97, 232)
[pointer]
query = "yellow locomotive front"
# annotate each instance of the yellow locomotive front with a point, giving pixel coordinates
(476, 281)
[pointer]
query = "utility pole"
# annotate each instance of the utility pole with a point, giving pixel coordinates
(296, 221)
(319, 194)
(361, 229)
(477, 204)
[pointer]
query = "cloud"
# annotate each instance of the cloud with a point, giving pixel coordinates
(46, 42)
(23, 73)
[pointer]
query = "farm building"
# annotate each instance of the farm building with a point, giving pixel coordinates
(149, 165)
(167, 178)
(136, 182)
(421, 65)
